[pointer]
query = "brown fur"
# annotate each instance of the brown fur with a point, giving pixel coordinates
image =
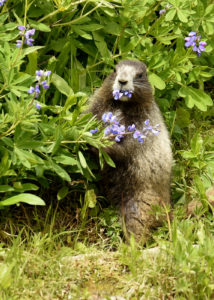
(142, 175)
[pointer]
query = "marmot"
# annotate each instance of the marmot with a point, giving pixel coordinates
(142, 175)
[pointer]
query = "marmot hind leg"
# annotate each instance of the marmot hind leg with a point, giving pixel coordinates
(139, 218)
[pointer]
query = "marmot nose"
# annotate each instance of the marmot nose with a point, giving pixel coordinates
(122, 82)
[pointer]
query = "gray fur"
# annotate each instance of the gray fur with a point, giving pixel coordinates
(142, 175)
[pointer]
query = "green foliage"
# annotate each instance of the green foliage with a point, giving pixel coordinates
(79, 41)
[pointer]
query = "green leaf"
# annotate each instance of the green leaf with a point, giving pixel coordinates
(6, 188)
(39, 26)
(62, 85)
(83, 34)
(90, 27)
(26, 198)
(196, 144)
(60, 171)
(5, 275)
(29, 50)
(65, 160)
(209, 10)
(62, 193)
(182, 117)
(90, 198)
(32, 64)
(156, 81)
(170, 15)
(195, 97)
(182, 17)
(108, 159)
(26, 187)
(82, 160)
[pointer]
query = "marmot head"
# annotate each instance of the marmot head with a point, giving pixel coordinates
(131, 75)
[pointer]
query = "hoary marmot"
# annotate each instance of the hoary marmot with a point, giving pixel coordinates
(141, 178)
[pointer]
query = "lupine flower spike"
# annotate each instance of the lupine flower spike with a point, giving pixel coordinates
(114, 129)
(42, 81)
(27, 36)
(193, 40)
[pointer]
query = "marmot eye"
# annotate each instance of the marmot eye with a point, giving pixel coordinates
(140, 75)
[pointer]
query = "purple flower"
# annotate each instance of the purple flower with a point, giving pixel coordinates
(27, 36)
(37, 91)
(146, 122)
(45, 85)
(193, 40)
(38, 106)
(131, 127)
(190, 41)
(200, 48)
(47, 73)
(109, 118)
(93, 130)
(118, 138)
(136, 134)
(117, 94)
(107, 131)
(162, 11)
(29, 32)
(21, 28)
(130, 94)
(18, 43)
(29, 42)
(192, 33)
(2, 2)
(140, 139)
(31, 90)
(40, 73)
(155, 131)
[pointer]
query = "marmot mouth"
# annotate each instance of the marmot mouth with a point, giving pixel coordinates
(118, 94)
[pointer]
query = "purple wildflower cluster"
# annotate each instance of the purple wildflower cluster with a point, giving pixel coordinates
(2, 2)
(27, 36)
(163, 11)
(193, 40)
(147, 128)
(114, 129)
(117, 94)
(42, 81)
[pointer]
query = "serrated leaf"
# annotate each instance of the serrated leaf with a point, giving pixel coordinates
(26, 198)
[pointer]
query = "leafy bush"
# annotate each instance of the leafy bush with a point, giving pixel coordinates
(44, 140)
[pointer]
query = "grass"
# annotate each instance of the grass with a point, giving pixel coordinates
(64, 265)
